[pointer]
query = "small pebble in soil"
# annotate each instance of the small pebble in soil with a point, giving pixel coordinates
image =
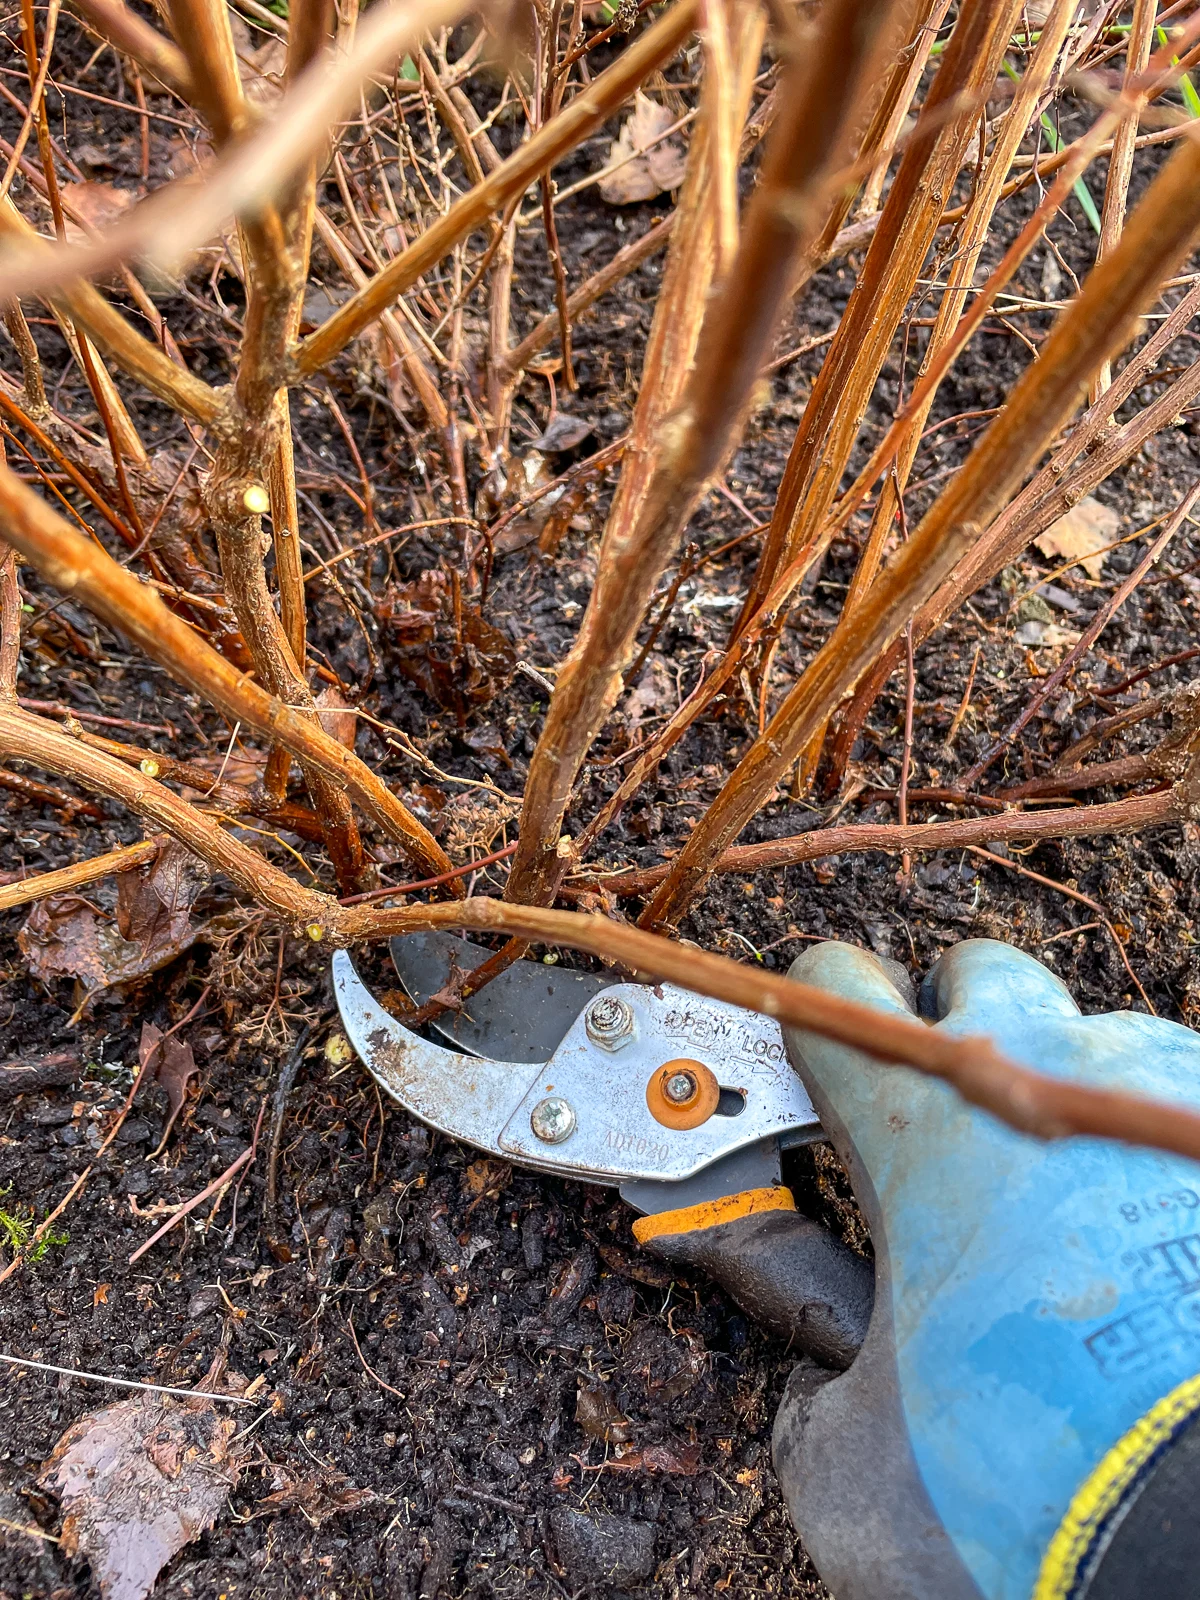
(602, 1549)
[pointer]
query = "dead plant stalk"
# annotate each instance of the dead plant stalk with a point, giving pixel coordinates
(1095, 326)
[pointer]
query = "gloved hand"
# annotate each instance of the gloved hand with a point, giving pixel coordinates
(1021, 1420)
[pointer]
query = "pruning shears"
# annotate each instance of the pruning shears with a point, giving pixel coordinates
(683, 1103)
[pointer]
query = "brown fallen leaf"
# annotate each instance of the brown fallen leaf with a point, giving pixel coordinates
(336, 717)
(1081, 535)
(154, 903)
(563, 432)
(651, 171)
(66, 937)
(487, 1177)
(98, 204)
(683, 1460)
(138, 1481)
(599, 1416)
(169, 1062)
(444, 645)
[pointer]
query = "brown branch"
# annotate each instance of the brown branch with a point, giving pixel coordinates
(185, 393)
(576, 122)
(33, 739)
(133, 37)
(89, 871)
(1120, 162)
(626, 260)
(827, 85)
(256, 446)
(1074, 822)
(1096, 325)
(248, 175)
(76, 566)
(44, 794)
(910, 218)
(1047, 1108)
(10, 624)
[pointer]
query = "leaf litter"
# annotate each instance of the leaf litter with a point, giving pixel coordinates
(137, 1482)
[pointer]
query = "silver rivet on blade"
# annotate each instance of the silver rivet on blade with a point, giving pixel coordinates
(552, 1119)
(609, 1022)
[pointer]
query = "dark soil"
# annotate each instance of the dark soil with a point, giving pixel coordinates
(430, 1361)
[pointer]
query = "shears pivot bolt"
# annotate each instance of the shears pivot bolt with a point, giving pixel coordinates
(552, 1119)
(679, 1088)
(609, 1022)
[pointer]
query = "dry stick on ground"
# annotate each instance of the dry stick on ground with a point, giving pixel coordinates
(825, 91)
(90, 871)
(928, 168)
(1045, 1107)
(1097, 324)
(78, 567)
(578, 120)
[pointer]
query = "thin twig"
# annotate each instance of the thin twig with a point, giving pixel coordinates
(127, 1383)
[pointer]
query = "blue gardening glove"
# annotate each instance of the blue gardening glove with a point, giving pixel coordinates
(1021, 1418)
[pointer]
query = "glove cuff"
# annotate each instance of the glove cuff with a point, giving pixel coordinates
(1148, 1477)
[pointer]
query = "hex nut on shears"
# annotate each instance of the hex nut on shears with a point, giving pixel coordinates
(609, 1022)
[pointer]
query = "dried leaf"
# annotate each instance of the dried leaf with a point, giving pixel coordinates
(154, 903)
(599, 1416)
(336, 717)
(683, 1460)
(138, 1481)
(318, 1496)
(99, 204)
(67, 937)
(651, 171)
(1080, 535)
(170, 1063)
(444, 645)
(261, 65)
(488, 1177)
(563, 432)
